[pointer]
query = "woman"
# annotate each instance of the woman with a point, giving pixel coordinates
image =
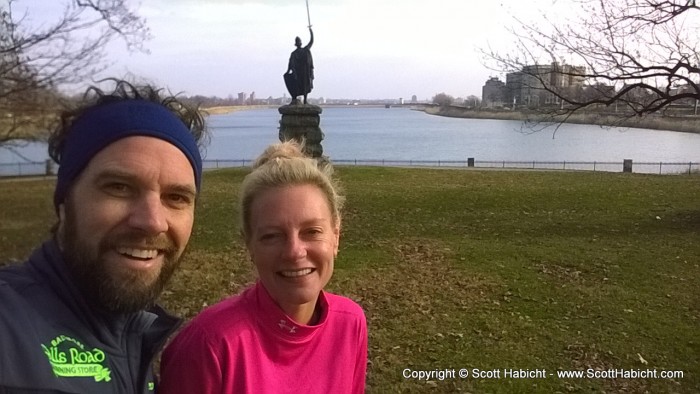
(283, 334)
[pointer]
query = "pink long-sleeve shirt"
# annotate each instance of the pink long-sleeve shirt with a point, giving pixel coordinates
(247, 344)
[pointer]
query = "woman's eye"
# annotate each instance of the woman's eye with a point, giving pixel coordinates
(314, 231)
(268, 236)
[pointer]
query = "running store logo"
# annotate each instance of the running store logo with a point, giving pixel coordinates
(69, 358)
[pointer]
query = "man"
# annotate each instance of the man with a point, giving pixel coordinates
(299, 77)
(80, 316)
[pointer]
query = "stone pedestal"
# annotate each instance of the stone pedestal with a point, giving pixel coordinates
(301, 122)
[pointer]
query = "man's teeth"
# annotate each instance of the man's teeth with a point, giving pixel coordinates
(294, 274)
(138, 253)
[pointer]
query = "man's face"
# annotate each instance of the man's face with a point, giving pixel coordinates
(126, 221)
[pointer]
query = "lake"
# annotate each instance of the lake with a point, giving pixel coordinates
(402, 134)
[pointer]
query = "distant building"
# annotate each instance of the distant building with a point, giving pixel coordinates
(533, 85)
(242, 96)
(685, 89)
(493, 93)
(414, 99)
(597, 91)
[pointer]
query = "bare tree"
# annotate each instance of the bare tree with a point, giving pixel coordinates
(472, 101)
(627, 57)
(443, 99)
(38, 59)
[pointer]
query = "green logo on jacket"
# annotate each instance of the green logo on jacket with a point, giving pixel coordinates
(70, 358)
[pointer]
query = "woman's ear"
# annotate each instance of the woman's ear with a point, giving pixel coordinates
(336, 235)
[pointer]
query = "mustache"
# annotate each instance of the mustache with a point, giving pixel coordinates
(162, 242)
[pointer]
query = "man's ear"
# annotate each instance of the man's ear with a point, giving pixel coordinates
(61, 229)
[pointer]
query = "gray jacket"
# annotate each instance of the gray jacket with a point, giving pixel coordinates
(52, 341)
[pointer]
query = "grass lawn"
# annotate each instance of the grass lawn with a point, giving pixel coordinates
(487, 270)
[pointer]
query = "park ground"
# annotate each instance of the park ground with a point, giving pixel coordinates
(486, 271)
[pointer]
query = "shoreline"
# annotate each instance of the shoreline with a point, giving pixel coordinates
(690, 124)
(687, 124)
(222, 110)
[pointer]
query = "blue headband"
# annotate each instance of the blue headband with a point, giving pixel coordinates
(107, 123)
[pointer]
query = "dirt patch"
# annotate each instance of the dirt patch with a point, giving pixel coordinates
(594, 357)
(422, 282)
(565, 274)
(14, 225)
(414, 305)
(206, 278)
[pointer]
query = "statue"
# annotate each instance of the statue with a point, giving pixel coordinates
(299, 77)
(302, 122)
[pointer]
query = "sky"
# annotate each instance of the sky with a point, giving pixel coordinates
(363, 49)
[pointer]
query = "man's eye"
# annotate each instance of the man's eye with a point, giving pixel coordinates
(117, 188)
(179, 199)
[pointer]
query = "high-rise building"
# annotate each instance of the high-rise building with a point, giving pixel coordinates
(535, 85)
(493, 93)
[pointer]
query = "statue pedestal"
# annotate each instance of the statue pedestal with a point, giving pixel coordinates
(301, 122)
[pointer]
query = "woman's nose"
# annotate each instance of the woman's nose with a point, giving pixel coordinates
(294, 248)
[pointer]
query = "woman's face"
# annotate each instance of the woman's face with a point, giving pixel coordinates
(293, 242)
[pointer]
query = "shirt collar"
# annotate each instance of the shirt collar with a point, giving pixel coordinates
(275, 320)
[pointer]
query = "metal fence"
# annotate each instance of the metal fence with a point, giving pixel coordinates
(603, 166)
(25, 169)
(48, 168)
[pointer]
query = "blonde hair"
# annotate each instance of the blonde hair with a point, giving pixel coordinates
(284, 164)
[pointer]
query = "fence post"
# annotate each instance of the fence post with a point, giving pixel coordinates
(470, 162)
(565, 164)
(594, 166)
(627, 165)
(690, 167)
(49, 167)
(660, 164)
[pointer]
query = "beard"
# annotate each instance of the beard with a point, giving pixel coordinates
(108, 286)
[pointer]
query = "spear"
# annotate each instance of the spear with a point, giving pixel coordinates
(308, 17)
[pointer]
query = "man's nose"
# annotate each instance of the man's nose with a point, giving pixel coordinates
(149, 215)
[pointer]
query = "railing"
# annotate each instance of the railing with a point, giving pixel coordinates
(25, 168)
(605, 166)
(213, 164)
(48, 168)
